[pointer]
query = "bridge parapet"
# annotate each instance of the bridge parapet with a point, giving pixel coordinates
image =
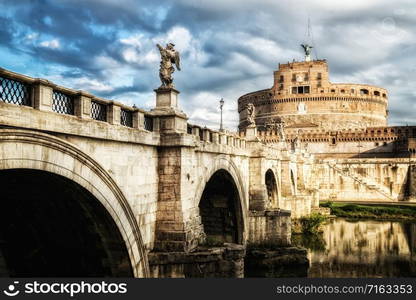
(47, 96)
(205, 136)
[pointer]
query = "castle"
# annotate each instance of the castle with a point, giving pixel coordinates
(337, 120)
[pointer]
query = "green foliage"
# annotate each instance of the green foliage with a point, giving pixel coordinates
(329, 204)
(311, 224)
(372, 211)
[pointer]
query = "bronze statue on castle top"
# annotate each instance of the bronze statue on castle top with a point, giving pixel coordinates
(307, 49)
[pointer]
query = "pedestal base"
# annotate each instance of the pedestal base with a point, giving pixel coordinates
(167, 98)
(251, 133)
(171, 119)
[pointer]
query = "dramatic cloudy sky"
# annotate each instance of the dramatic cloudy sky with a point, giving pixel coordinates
(228, 47)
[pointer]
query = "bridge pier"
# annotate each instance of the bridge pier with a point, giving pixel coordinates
(176, 228)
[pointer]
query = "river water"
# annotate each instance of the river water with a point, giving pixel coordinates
(362, 248)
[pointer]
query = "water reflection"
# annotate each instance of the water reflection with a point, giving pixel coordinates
(365, 248)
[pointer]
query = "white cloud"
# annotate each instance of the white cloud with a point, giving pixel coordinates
(133, 40)
(32, 36)
(53, 44)
(181, 37)
(92, 85)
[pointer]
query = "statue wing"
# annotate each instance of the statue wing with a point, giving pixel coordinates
(177, 60)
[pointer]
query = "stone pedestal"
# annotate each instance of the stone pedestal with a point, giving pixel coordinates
(167, 98)
(251, 133)
(171, 119)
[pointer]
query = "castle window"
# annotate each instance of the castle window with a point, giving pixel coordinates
(319, 84)
(322, 91)
(376, 93)
(301, 89)
(342, 91)
(352, 91)
(319, 77)
(281, 86)
(364, 92)
(384, 95)
(281, 78)
(332, 91)
(376, 144)
(294, 77)
(333, 141)
(306, 77)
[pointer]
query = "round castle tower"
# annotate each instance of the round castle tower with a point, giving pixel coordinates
(303, 97)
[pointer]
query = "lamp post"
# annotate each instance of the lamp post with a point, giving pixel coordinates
(359, 149)
(221, 105)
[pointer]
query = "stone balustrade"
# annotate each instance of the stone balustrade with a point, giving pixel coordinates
(209, 136)
(44, 95)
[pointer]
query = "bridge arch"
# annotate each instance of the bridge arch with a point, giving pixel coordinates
(272, 188)
(29, 150)
(233, 199)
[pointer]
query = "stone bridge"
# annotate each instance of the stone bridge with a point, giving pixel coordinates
(92, 187)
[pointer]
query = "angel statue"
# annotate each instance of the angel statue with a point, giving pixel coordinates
(280, 130)
(250, 114)
(308, 49)
(169, 56)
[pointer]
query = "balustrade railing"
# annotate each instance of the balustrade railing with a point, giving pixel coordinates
(98, 111)
(62, 103)
(126, 118)
(148, 123)
(15, 92)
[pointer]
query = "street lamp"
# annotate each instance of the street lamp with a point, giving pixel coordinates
(359, 149)
(221, 105)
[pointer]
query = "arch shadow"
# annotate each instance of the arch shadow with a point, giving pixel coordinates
(228, 170)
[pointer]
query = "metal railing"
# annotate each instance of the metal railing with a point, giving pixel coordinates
(98, 111)
(62, 103)
(14, 91)
(148, 123)
(126, 118)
